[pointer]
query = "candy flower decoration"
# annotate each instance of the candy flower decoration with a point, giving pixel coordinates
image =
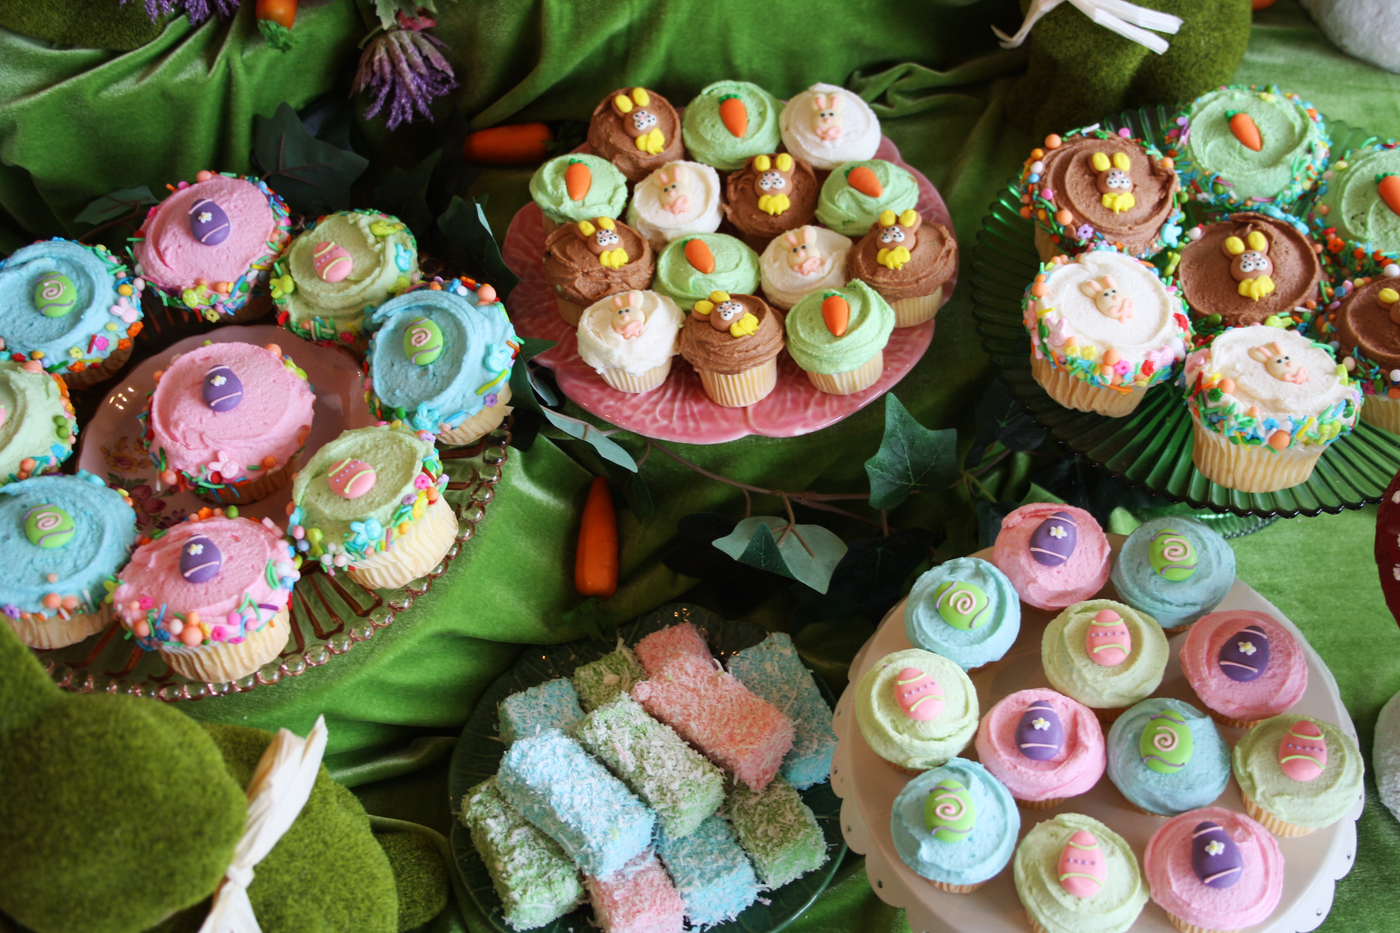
(918, 695)
(1250, 265)
(601, 237)
(724, 313)
(1246, 656)
(1040, 735)
(804, 257)
(1215, 858)
(1114, 184)
(1107, 641)
(1302, 755)
(773, 181)
(638, 122)
(1081, 869)
(1166, 743)
(827, 122)
(898, 237)
(949, 812)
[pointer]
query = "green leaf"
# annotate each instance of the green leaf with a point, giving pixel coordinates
(116, 203)
(404, 193)
(587, 613)
(277, 35)
(312, 176)
(472, 246)
(387, 10)
(607, 448)
(910, 456)
(638, 496)
(522, 393)
(809, 554)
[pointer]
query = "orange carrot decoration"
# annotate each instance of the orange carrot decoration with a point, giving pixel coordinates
(1245, 129)
(697, 253)
(836, 312)
(578, 179)
(1388, 186)
(734, 114)
(595, 568)
(865, 181)
(513, 144)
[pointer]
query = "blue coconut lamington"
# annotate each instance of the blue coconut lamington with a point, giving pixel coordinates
(67, 305)
(604, 680)
(550, 705)
(711, 873)
(965, 610)
(773, 670)
(955, 824)
(1175, 569)
(568, 794)
(777, 830)
(1167, 757)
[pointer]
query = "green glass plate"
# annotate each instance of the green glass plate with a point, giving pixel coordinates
(479, 750)
(1151, 447)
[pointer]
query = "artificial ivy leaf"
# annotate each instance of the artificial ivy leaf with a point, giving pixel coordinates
(114, 204)
(522, 394)
(1000, 418)
(587, 613)
(312, 176)
(808, 554)
(910, 456)
(277, 35)
(607, 448)
(638, 496)
(736, 588)
(989, 516)
(472, 246)
(329, 118)
(1082, 485)
(404, 193)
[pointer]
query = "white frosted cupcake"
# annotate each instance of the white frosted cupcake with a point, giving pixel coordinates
(630, 338)
(800, 262)
(827, 126)
(676, 199)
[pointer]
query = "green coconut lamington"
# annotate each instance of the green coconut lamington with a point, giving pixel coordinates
(849, 203)
(602, 681)
(710, 124)
(817, 350)
(777, 830)
(39, 426)
(1358, 225)
(605, 194)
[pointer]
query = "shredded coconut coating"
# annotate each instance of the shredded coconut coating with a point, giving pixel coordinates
(710, 871)
(659, 648)
(550, 705)
(773, 671)
(778, 831)
(637, 899)
(600, 682)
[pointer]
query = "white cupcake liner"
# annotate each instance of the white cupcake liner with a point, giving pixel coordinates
(637, 383)
(412, 554)
(1251, 468)
(852, 381)
(1082, 396)
(220, 662)
(1384, 413)
(483, 422)
(911, 312)
(55, 632)
(740, 389)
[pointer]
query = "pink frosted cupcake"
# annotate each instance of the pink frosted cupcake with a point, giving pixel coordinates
(1054, 555)
(1043, 746)
(1244, 666)
(1213, 869)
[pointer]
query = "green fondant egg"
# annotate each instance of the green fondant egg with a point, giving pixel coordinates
(962, 605)
(422, 341)
(55, 295)
(1172, 555)
(949, 812)
(1166, 742)
(48, 526)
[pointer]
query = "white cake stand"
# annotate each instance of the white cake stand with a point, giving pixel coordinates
(867, 787)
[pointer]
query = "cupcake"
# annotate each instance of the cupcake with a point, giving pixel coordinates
(733, 341)
(1244, 666)
(770, 195)
(227, 420)
(73, 308)
(826, 126)
(965, 610)
(728, 122)
(1298, 774)
(1167, 757)
(1105, 655)
(212, 595)
(1214, 869)
(1094, 186)
(209, 246)
(676, 199)
(1367, 329)
(1249, 268)
(692, 267)
(1174, 569)
(800, 262)
(1238, 146)
(1043, 746)
(371, 500)
(955, 825)
(1054, 555)
(1265, 403)
(629, 339)
(1075, 875)
(592, 259)
(440, 360)
(1104, 329)
(37, 423)
(916, 709)
(1357, 216)
(64, 539)
(907, 262)
(339, 268)
(577, 187)
(855, 194)
(636, 130)
(838, 337)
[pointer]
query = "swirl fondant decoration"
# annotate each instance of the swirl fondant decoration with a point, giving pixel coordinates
(1052, 543)
(1040, 735)
(48, 526)
(1107, 641)
(422, 341)
(1082, 868)
(1215, 858)
(1166, 743)
(1245, 656)
(918, 695)
(1172, 555)
(200, 560)
(55, 295)
(962, 605)
(223, 390)
(351, 479)
(1302, 755)
(208, 222)
(332, 262)
(949, 812)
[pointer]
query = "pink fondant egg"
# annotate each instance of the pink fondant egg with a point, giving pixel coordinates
(1107, 640)
(918, 695)
(1303, 752)
(1082, 867)
(332, 262)
(351, 478)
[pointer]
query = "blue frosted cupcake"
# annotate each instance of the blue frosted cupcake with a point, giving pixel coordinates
(955, 825)
(1166, 757)
(965, 610)
(1174, 569)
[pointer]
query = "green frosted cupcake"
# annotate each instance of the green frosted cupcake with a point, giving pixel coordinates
(1105, 655)
(693, 267)
(916, 709)
(1075, 875)
(838, 336)
(1353, 217)
(730, 121)
(1298, 774)
(37, 424)
(578, 187)
(854, 195)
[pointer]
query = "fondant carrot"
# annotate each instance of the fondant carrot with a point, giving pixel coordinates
(595, 567)
(1388, 186)
(734, 114)
(281, 12)
(1245, 130)
(865, 181)
(837, 313)
(508, 145)
(697, 253)
(578, 179)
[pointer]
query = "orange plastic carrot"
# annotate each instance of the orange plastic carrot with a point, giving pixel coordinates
(1388, 186)
(837, 313)
(734, 114)
(865, 181)
(578, 179)
(1245, 130)
(595, 568)
(697, 253)
(513, 144)
(281, 12)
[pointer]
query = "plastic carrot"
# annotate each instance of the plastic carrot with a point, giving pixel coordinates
(595, 568)
(508, 145)
(1245, 130)
(837, 313)
(865, 181)
(697, 253)
(734, 114)
(281, 12)
(578, 179)
(1388, 186)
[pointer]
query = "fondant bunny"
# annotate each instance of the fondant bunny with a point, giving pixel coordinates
(724, 313)
(1107, 298)
(1114, 182)
(1250, 263)
(675, 188)
(1279, 364)
(639, 122)
(898, 237)
(773, 181)
(630, 319)
(603, 241)
(827, 122)
(803, 255)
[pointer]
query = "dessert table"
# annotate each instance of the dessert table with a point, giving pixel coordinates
(396, 704)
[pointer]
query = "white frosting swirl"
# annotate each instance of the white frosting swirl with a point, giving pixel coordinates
(1255, 386)
(604, 348)
(646, 215)
(783, 287)
(858, 140)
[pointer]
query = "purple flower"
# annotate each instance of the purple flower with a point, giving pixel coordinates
(402, 67)
(197, 10)
(1085, 232)
(11, 610)
(490, 400)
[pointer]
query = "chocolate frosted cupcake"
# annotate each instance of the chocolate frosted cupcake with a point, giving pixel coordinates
(592, 259)
(907, 262)
(637, 130)
(770, 195)
(1367, 329)
(733, 341)
(1248, 269)
(1095, 186)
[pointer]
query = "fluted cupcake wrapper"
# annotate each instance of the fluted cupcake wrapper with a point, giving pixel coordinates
(1047, 804)
(1384, 413)
(483, 422)
(911, 312)
(1280, 828)
(1251, 468)
(412, 554)
(98, 371)
(220, 662)
(852, 381)
(55, 632)
(262, 487)
(570, 311)
(740, 389)
(1082, 396)
(636, 384)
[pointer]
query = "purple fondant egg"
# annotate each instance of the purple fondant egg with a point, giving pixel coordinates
(351, 478)
(1082, 867)
(332, 262)
(1244, 656)
(1215, 858)
(1303, 752)
(1052, 543)
(208, 222)
(223, 390)
(1107, 640)
(918, 695)
(200, 560)
(1039, 734)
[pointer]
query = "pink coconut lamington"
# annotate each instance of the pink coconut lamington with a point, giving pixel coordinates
(1052, 562)
(1222, 657)
(1176, 887)
(215, 580)
(1072, 770)
(711, 710)
(673, 641)
(638, 898)
(228, 441)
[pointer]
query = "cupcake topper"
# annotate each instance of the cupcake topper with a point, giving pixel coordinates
(898, 237)
(1215, 858)
(422, 341)
(1114, 183)
(223, 390)
(836, 311)
(208, 222)
(918, 695)
(630, 319)
(675, 188)
(1302, 755)
(863, 179)
(603, 241)
(637, 121)
(55, 295)
(1040, 735)
(949, 812)
(1171, 555)
(351, 479)
(1082, 867)
(578, 178)
(200, 560)
(1166, 742)
(803, 255)
(773, 181)
(1279, 364)
(1107, 640)
(1245, 130)
(1389, 301)
(1388, 187)
(1245, 656)
(1053, 540)
(724, 313)
(1250, 264)
(48, 526)
(734, 113)
(827, 123)
(1108, 299)
(697, 253)
(332, 262)
(962, 605)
